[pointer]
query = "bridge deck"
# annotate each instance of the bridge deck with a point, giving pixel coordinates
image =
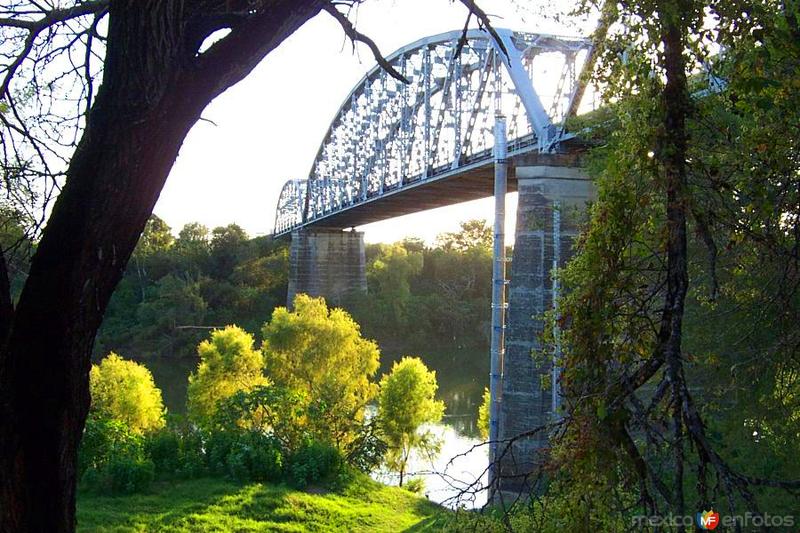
(468, 182)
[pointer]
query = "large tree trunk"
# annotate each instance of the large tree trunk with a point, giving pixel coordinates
(154, 89)
(673, 158)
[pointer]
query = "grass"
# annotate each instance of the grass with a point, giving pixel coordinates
(216, 505)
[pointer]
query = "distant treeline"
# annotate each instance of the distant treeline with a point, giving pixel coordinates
(176, 288)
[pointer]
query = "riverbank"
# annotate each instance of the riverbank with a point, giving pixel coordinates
(225, 506)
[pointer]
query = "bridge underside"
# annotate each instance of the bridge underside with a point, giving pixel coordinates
(469, 182)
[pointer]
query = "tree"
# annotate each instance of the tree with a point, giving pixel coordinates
(228, 364)
(483, 414)
(474, 233)
(134, 76)
(227, 246)
(193, 249)
(320, 353)
(156, 237)
(389, 279)
(124, 391)
(406, 403)
(634, 380)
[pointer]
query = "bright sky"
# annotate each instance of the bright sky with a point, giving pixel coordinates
(269, 127)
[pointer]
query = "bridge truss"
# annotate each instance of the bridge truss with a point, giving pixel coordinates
(389, 135)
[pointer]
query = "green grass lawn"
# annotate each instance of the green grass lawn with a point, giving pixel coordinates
(218, 505)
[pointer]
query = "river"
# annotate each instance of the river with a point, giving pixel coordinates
(462, 375)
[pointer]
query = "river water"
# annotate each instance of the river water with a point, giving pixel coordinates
(451, 477)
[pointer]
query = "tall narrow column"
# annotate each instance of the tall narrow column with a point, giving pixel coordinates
(551, 206)
(498, 296)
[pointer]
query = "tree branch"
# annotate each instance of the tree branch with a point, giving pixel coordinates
(484, 22)
(357, 36)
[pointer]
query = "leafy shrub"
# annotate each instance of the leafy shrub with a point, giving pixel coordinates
(163, 447)
(244, 455)
(314, 461)
(415, 485)
(268, 409)
(367, 451)
(255, 457)
(104, 439)
(192, 454)
(112, 458)
(218, 446)
(127, 475)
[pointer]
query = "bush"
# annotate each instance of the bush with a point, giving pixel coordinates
(368, 449)
(314, 461)
(104, 439)
(163, 447)
(112, 458)
(128, 475)
(122, 475)
(415, 485)
(245, 455)
(255, 457)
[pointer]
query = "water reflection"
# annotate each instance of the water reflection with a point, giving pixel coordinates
(456, 476)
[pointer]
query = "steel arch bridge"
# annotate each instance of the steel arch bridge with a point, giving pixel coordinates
(395, 148)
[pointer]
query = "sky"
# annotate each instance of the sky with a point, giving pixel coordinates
(268, 128)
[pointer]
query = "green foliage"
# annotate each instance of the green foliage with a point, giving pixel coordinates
(312, 462)
(171, 302)
(388, 277)
(104, 439)
(124, 475)
(173, 287)
(474, 233)
(254, 456)
(156, 237)
(429, 296)
(266, 409)
(111, 458)
(320, 354)
(484, 410)
(558, 511)
(742, 308)
(228, 364)
(163, 447)
(124, 391)
(368, 449)
(226, 249)
(415, 485)
(406, 403)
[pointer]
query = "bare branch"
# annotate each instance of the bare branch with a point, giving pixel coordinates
(35, 27)
(357, 36)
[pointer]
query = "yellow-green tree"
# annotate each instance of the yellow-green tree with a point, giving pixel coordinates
(483, 414)
(228, 364)
(125, 391)
(320, 353)
(405, 404)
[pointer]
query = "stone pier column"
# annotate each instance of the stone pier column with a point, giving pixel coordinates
(326, 262)
(552, 204)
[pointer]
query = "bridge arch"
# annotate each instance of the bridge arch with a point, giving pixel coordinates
(388, 135)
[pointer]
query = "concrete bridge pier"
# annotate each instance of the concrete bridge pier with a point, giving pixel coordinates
(326, 262)
(552, 204)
